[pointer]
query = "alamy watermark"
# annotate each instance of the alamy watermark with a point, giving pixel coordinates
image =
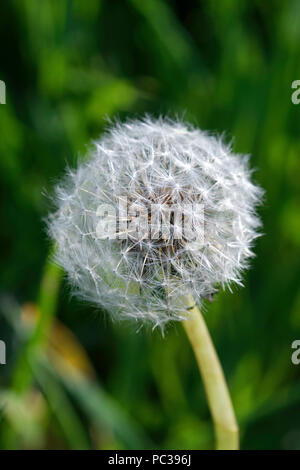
(144, 221)
(295, 97)
(295, 358)
(2, 352)
(2, 92)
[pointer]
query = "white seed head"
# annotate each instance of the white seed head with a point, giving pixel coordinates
(160, 173)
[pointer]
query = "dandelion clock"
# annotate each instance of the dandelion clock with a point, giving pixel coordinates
(157, 219)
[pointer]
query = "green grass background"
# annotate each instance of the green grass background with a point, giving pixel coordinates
(68, 65)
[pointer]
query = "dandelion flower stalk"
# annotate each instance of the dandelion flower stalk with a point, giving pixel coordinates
(226, 428)
(161, 212)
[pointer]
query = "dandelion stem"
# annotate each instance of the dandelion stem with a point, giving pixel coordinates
(226, 427)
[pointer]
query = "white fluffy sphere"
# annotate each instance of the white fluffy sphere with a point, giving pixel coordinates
(155, 170)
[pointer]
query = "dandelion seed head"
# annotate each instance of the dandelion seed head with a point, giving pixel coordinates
(164, 172)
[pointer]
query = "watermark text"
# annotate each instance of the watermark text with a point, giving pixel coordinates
(295, 97)
(143, 221)
(2, 92)
(295, 358)
(2, 352)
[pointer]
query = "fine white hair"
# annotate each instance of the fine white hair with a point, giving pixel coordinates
(156, 162)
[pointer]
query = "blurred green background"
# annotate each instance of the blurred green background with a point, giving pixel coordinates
(73, 379)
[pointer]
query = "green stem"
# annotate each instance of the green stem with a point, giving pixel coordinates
(226, 428)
